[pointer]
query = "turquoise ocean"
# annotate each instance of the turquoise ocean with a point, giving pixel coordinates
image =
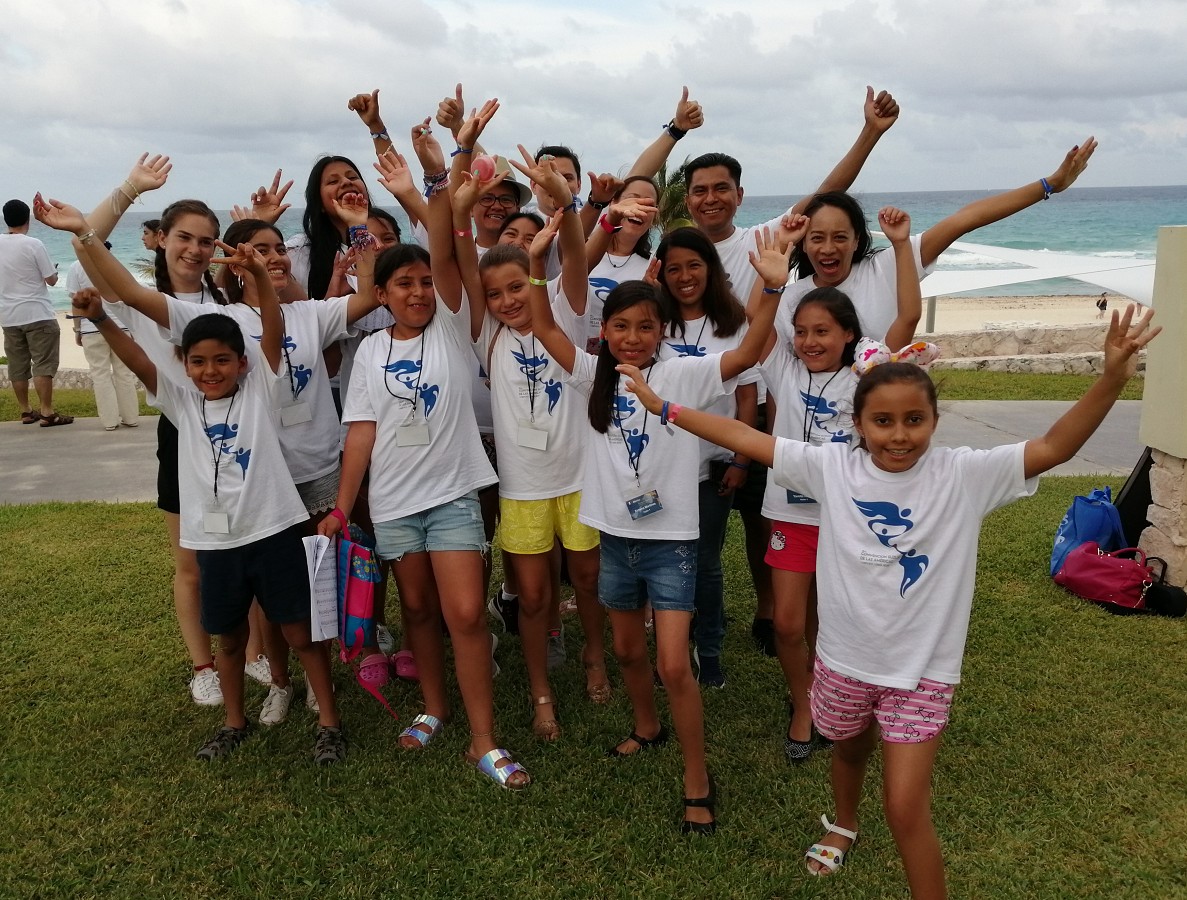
(1119, 223)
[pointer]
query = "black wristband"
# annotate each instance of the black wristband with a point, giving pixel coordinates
(102, 318)
(597, 204)
(674, 132)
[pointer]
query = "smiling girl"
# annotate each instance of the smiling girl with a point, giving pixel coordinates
(897, 562)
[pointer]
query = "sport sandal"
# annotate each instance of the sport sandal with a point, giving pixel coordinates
(644, 744)
(829, 857)
(708, 802)
(489, 766)
(421, 737)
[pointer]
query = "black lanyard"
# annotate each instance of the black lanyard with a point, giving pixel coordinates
(632, 460)
(810, 411)
(217, 453)
(700, 334)
(419, 371)
(533, 384)
(284, 339)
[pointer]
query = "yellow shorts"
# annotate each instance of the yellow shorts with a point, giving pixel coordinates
(532, 526)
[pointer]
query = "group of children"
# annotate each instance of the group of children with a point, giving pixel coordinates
(618, 396)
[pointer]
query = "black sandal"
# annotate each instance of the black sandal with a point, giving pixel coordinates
(644, 744)
(55, 418)
(709, 803)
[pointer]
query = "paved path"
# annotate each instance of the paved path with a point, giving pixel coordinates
(84, 462)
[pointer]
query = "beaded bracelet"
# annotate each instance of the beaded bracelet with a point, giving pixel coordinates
(360, 238)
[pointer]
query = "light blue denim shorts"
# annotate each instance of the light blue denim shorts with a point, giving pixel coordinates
(454, 525)
(635, 570)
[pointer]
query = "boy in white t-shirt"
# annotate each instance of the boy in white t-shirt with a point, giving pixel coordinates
(239, 509)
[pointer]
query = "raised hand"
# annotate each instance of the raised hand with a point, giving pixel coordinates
(602, 188)
(791, 230)
(367, 106)
(635, 209)
(59, 216)
(1125, 338)
(895, 224)
(771, 263)
(651, 276)
(87, 302)
(1073, 164)
(451, 112)
(545, 174)
(638, 386)
(243, 257)
(427, 149)
(688, 113)
(351, 208)
(881, 112)
(267, 203)
(149, 173)
(394, 173)
(545, 236)
(468, 133)
(467, 193)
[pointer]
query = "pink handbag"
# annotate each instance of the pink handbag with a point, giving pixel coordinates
(1114, 580)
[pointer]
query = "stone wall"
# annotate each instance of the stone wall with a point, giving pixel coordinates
(1034, 349)
(1166, 536)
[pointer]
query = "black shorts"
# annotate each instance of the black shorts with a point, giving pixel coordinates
(748, 498)
(168, 492)
(272, 570)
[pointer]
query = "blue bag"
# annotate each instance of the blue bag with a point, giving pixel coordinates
(358, 573)
(1091, 518)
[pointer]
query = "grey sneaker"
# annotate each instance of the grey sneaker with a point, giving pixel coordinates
(276, 705)
(206, 689)
(329, 746)
(259, 670)
(494, 663)
(384, 639)
(223, 742)
(556, 647)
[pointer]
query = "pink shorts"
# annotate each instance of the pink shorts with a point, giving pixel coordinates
(792, 547)
(843, 707)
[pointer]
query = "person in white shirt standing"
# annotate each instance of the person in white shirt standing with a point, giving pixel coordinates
(31, 330)
(113, 382)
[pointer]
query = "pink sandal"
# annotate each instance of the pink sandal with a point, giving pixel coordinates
(403, 663)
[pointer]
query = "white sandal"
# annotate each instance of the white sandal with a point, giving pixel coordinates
(829, 857)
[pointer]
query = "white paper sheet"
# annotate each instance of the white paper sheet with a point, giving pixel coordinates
(322, 562)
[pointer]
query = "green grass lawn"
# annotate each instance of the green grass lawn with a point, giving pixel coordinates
(1063, 773)
(67, 401)
(953, 384)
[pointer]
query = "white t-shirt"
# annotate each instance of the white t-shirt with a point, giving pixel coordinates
(699, 340)
(76, 280)
(609, 273)
(735, 253)
(235, 437)
(422, 382)
(528, 390)
(871, 285)
(667, 458)
(898, 553)
(812, 407)
(154, 340)
(310, 445)
(24, 266)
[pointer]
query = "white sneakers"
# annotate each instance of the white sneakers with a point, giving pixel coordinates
(276, 705)
(205, 688)
(258, 670)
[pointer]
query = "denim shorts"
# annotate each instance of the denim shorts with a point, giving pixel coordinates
(454, 525)
(635, 570)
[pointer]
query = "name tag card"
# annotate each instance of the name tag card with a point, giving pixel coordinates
(412, 435)
(531, 437)
(645, 504)
(214, 522)
(296, 414)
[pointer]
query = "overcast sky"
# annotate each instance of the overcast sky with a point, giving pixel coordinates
(993, 93)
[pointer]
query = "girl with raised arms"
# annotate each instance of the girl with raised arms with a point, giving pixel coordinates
(900, 521)
(640, 492)
(409, 418)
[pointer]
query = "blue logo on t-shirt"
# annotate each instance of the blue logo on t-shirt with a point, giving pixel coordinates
(602, 287)
(408, 372)
(823, 413)
(222, 437)
(687, 349)
(889, 524)
(532, 366)
(624, 408)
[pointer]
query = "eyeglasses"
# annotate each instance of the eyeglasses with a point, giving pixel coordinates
(504, 201)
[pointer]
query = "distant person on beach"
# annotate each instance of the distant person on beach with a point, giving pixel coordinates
(31, 331)
(149, 236)
(1102, 305)
(113, 382)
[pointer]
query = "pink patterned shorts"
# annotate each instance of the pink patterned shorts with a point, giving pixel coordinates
(843, 707)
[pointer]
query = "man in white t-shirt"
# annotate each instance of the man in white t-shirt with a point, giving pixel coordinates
(713, 182)
(31, 331)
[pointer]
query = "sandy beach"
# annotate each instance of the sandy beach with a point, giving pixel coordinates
(952, 314)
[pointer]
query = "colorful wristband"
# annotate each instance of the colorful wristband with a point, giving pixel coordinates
(778, 290)
(674, 409)
(458, 232)
(607, 226)
(1046, 188)
(538, 282)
